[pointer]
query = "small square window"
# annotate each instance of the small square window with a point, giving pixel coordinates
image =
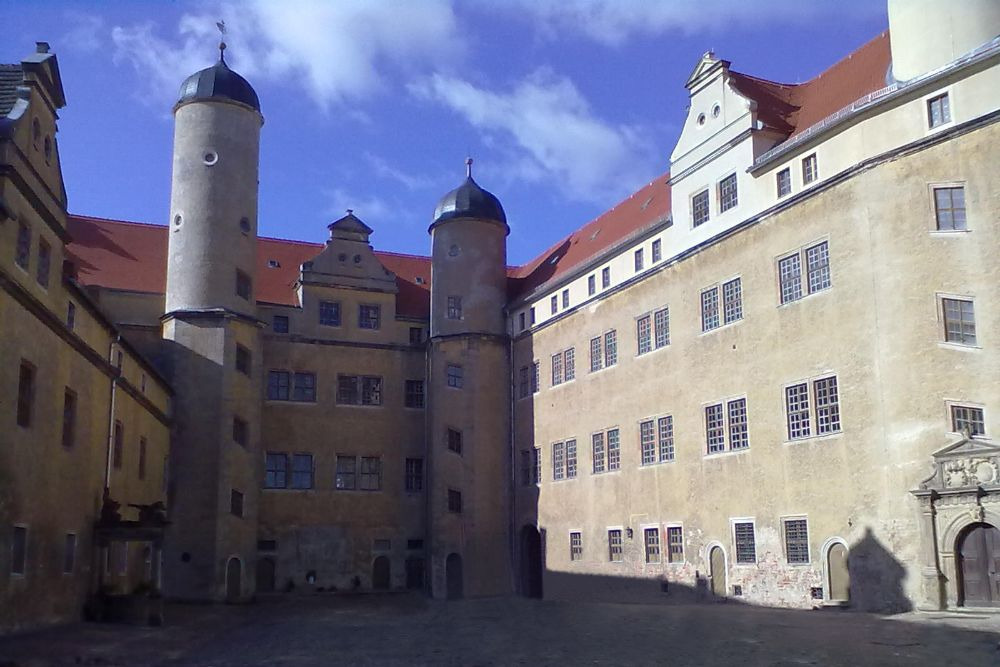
(938, 111)
(699, 208)
(369, 317)
(329, 313)
(965, 418)
(279, 324)
(949, 208)
(784, 182)
(959, 321)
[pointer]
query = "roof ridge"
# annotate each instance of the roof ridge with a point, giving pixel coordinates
(116, 220)
(401, 254)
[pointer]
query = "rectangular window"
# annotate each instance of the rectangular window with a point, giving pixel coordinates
(652, 542)
(699, 208)
(536, 377)
(371, 473)
(796, 541)
(591, 285)
(738, 437)
(558, 461)
(959, 321)
(142, 458)
(454, 307)
(784, 182)
(369, 317)
(414, 475)
(598, 452)
(304, 387)
(810, 170)
(797, 407)
(657, 251)
(938, 111)
(614, 450)
(715, 432)
(44, 262)
(455, 376)
(347, 467)
(19, 550)
(638, 260)
(665, 427)
(302, 471)
(276, 473)
(348, 392)
(644, 334)
(536, 465)
(565, 298)
(827, 405)
(525, 467)
(69, 553)
(675, 544)
(710, 309)
(531, 313)
(615, 546)
(661, 327)
(279, 324)
(647, 442)
(596, 354)
(118, 448)
(70, 315)
(790, 277)
(414, 393)
(818, 266)
(606, 277)
(25, 394)
(746, 548)
(278, 384)
(570, 459)
(454, 501)
(949, 208)
(371, 390)
(732, 300)
(242, 285)
(554, 304)
(236, 503)
(243, 360)
(416, 335)
(525, 384)
(240, 430)
(569, 364)
(610, 348)
(455, 440)
(69, 419)
(329, 313)
(727, 193)
(557, 369)
(576, 546)
(22, 252)
(520, 321)
(817, 261)
(968, 418)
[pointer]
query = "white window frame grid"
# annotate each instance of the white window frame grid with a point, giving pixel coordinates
(810, 169)
(558, 461)
(813, 418)
(727, 202)
(784, 540)
(572, 458)
(943, 320)
(575, 551)
(932, 189)
(696, 219)
(727, 310)
(778, 182)
(798, 283)
(733, 522)
(597, 442)
(621, 544)
(652, 330)
(725, 426)
(666, 531)
(926, 102)
(557, 369)
(536, 465)
(952, 404)
(643, 528)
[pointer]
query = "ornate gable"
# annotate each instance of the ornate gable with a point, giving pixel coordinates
(963, 465)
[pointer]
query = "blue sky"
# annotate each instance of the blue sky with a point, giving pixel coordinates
(567, 106)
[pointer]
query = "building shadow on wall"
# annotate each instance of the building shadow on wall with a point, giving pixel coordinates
(876, 577)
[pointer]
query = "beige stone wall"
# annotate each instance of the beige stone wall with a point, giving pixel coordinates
(877, 329)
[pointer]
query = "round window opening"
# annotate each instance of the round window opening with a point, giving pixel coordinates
(210, 158)
(178, 220)
(245, 225)
(716, 110)
(357, 259)
(342, 257)
(701, 119)
(453, 251)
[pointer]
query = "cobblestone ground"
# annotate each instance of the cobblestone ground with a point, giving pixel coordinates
(409, 630)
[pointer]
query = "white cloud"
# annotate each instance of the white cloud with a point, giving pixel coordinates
(383, 169)
(336, 51)
(370, 208)
(86, 32)
(558, 138)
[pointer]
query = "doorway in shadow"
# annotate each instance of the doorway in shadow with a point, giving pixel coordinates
(234, 579)
(531, 562)
(381, 574)
(265, 575)
(453, 576)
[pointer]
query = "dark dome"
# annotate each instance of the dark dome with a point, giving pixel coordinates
(218, 81)
(469, 201)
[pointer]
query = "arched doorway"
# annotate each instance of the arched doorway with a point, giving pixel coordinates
(837, 575)
(978, 552)
(531, 562)
(265, 575)
(717, 565)
(234, 579)
(453, 576)
(381, 574)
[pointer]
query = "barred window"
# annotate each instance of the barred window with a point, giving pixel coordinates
(738, 437)
(710, 309)
(414, 393)
(455, 376)
(675, 544)
(790, 277)
(818, 265)
(938, 111)
(810, 169)
(959, 321)
(369, 316)
(638, 260)
(699, 208)
(949, 208)
(968, 418)
(797, 405)
(278, 385)
(596, 354)
(597, 444)
(727, 193)
(558, 461)
(371, 473)
(276, 473)
(454, 307)
(304, 387)
(715, 429)
(665, 426)
(536, 377)
(557, 369)
(657, 250)
(570, 459)
(610, 348)
(329, 313)
(647, 442)
(606, 277)
(652, 542)
(575, 546)
(302, 471)
(746, 548)
(414, 475)
(661, 325)
(22, 251)
(796, 541)
(569, 364)
(591, 285)
(536, 474)
(784, 182)
(827, 405)
(644, 334)
(615, 545)
(732, 299)
(614, 450)
(347, 467)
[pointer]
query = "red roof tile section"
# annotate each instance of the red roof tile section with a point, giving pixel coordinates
(133, 256)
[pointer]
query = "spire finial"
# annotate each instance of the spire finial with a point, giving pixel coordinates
(468, 167)
(221, 25)
(350, 211)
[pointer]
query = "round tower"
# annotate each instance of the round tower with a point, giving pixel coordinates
(928, 34)
(213, 198)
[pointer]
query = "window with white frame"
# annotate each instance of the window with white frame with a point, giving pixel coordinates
(591, 285)
(823, 410)
(661, 327)
(536, 460)
(614, 450)
(596, 354)
(563, 366)
(644, 334)
(727, 193)
(938, 111)
(731, 306)
(329, 314)
(810, 169)
(638, 261)
(656, 440)
(738, 436)
(597, 453)
(454, 307)
(710, 309)
(576, 546)
(536, 376)
(610, 348)
(665, 431)
(557, 369)
(565, 298)
(675, 544)
(606, 277)
(571, 459)
(615, 551)
(746, 547)
(796, 541)
(558, 461)
(647, 441)
(651, 539)
(732, 300)
(369, 316)
(657, 253)
(959, 321)
(456, 376)
(968, 418)
(554, 304)
(949, 208)
(726, 426)
(784, 181)
(699, 208)
(816, 259)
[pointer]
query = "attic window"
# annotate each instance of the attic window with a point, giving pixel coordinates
(419, 280)
(716, 110)
(273, 263)
(701, 119)
(245, 225)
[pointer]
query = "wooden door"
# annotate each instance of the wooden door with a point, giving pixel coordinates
(979, 553)
(836, 569)
(717, 560)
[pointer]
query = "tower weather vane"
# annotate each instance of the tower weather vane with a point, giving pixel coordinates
(221, 25)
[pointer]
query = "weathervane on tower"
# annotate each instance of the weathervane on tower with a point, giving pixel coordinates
(221, 25)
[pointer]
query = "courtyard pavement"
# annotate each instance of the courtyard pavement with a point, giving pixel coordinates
(410, 630)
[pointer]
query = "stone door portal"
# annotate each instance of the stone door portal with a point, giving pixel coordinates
(836, 569)
(717, 561)
(979, 562)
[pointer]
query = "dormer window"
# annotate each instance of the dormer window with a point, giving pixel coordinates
(716, 110)
(699, 208)
(701, 119)
(784, 182)
(938, 111)
(273, 263)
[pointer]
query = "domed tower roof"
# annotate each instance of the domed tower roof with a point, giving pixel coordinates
(218, 81)
(469, 201)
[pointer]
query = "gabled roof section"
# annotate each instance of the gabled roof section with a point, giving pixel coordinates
(705, 68)
(11, 77)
